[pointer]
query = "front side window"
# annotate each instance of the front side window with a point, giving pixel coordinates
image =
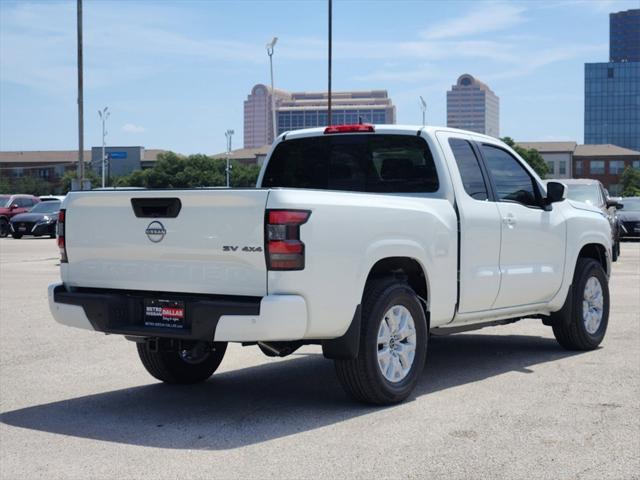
(354, 162)
(512, 182)
(469, 168)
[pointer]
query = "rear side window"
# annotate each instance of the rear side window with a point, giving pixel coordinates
(357, 163)
(469, 168)
(513, 183)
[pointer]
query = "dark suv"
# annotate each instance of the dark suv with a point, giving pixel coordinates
(11, 205)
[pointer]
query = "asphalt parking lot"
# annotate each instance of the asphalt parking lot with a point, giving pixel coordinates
(503, 402)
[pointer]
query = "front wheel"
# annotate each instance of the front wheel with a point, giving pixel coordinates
(181, 362)
(16, 235)
(4, 227)
(393, 345)
(582, 322)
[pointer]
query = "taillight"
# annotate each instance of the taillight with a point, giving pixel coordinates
(284, 249)
(355, 128)
(61, 240)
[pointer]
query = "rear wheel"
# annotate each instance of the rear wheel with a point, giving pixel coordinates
(181, 362)
(582, 322)
(393, 345)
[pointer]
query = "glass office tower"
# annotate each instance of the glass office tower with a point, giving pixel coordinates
(612, 90)
(612, 104)
(624, 36)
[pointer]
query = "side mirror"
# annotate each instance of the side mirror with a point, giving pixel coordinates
(613, 203)
(556, 192)
(14, 206)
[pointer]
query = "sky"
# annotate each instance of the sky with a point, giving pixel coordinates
(175, 74)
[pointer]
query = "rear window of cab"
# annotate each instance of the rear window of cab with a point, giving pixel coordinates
(356, 163)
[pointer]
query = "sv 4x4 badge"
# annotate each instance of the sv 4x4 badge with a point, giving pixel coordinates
(235, 248)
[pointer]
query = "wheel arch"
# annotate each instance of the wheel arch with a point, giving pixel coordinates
(404, 268)
(597, 252)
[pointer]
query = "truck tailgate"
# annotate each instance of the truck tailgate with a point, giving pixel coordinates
(213, 245)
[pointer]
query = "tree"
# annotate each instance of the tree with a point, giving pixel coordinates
(176, 171)
(27, 185)
(67, 178)
(531, 156)
(630, 180)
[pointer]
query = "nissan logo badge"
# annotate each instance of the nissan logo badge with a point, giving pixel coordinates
(155, 231)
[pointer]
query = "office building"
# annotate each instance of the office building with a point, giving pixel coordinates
(309, 109)
(624, 36)
(612, 89)
(602, 162)
(558, 155)
(472, 105)
(258, 119)
(605, 163)
(51, 166)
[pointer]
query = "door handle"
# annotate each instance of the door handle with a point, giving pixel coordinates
(509, 220)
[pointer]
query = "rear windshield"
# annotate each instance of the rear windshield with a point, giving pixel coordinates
(46, 207)
(588, 193)
(357, 163)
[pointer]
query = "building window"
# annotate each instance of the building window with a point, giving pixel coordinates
(616, 167)
(562, 167)
(551, 167)
(18, 172)
(636, 164)
(596, 167)
(578, 170)
(609, 72)
(615, 189)
(59, 170)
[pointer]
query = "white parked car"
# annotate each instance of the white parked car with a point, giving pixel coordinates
(363, 239)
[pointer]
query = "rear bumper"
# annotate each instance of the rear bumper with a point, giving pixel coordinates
(208, 317)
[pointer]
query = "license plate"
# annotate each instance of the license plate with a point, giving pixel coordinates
(164, 313)
(22, 228)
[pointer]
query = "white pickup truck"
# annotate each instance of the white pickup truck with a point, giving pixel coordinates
(362, 239)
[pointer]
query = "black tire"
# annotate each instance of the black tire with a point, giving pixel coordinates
(4, 227)
(53, 235)
(16, 235)
(568, 325)
(167, 365)
(362, 377)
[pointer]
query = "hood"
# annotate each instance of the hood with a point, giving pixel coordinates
(585, 206)
(4, 210)
(33, 217)
(629, 216)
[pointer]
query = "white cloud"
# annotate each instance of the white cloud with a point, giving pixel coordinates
(132, 128)
(489, 17)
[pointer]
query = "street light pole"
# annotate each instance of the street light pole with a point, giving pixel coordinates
(329, 72)
(80, 100)
(104, 114)
(270, 46)
(228, 134)
(424, 111)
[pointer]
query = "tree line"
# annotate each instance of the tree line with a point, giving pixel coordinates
(177, 171)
